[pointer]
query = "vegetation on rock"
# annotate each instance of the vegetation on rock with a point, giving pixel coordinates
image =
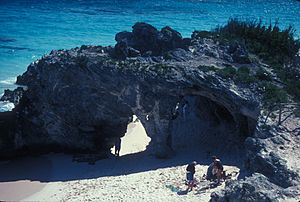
(274, 46)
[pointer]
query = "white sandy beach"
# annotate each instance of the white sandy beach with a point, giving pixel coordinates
(131, 177)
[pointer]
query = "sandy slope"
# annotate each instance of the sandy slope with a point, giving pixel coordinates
(131, 177)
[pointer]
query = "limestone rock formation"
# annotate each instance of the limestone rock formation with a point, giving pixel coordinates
(81, 99)
(254, 188)
(147, 40)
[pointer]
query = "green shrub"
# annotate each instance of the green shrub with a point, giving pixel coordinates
(276, 47)
(243, 75)
(227, 72)
(293, 88)
(291, 77)
(273, 94)
(269, 42)
(202, 34)
(244, 70)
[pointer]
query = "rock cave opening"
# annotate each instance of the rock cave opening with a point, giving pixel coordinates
(208, 125)
(135, 139)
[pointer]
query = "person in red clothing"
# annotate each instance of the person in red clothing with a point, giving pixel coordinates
(190, 171)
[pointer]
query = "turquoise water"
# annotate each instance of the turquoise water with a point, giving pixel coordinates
(30, 29)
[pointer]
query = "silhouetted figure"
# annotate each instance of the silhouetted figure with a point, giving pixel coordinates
(117, 146)
(190, 171)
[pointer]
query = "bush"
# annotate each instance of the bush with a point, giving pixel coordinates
(244, 70)
(293, 88)
(276, 47)
(202, 34)
(227, 72)
(243, 75)
(269, 42)
(292, 79)
(273, 94)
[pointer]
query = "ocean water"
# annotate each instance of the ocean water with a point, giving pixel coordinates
(32, 28)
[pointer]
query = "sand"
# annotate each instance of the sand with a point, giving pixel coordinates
(18, 190)
(130, 177)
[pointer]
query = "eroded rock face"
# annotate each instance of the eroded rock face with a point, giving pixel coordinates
(272, 152)
(81, 99)
(255, 188)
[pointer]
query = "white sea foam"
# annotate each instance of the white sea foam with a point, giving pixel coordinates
(9, 81)
(6, 106)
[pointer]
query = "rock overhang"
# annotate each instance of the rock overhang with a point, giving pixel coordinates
(72, 81)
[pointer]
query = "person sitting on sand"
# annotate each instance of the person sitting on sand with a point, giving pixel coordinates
(217, 169)
(190, 171)
(214, 170)
(209, 174)
(117, 146)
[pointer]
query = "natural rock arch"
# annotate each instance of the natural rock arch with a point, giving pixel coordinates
(80, 99)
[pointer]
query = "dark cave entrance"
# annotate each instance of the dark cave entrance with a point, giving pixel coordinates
(200, 123)
(209, 125)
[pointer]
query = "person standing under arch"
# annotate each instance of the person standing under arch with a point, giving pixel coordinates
(117, 146)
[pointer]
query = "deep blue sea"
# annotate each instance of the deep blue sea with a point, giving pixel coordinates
(32, 28)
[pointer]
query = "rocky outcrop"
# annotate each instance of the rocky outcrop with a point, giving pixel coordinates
(147, 40)
(272, 152)
(81, 99)
(267, 161)
(255, 188)
(13, 96)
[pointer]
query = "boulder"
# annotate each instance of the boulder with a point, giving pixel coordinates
(254, 188)
(124, 36)
(147, 40)
(169, 39)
